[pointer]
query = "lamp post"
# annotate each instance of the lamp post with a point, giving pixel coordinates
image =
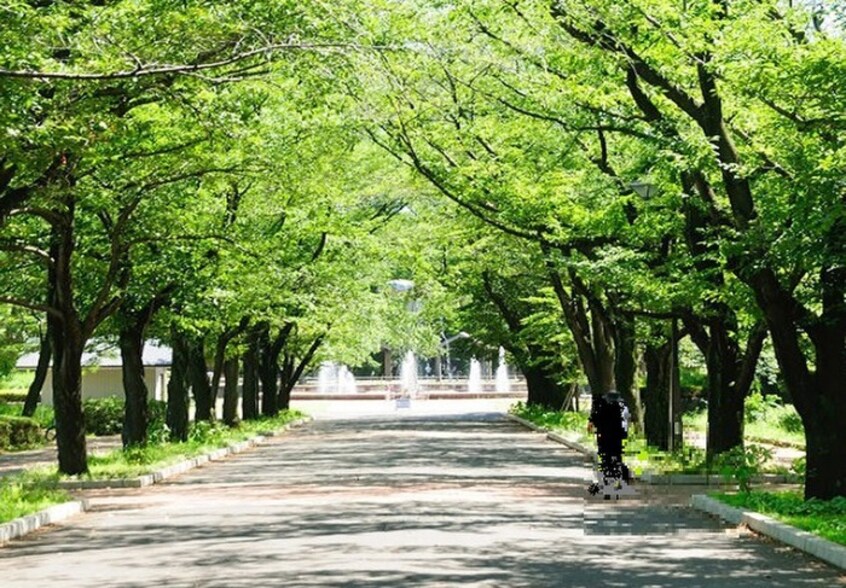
(445, 344)
(647, 190)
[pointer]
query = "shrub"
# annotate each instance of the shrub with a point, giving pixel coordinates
(12, 395)
(103, 416)
(16, 431)
(742, 463)
(757, 406)
(791, 422)
(157, 429)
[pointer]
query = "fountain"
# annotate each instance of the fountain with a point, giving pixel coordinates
(335, 379)
(474, 382)
(408, 375)
(326, 378)
(346, 381)
(502, 383)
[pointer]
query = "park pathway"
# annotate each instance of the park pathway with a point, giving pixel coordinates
(394, 501)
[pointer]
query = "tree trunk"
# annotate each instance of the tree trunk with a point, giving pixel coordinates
(230, 392)
(67, 395)
(249, 393)
(729, 375)
(136, 412)
(199, 377)
(268, 375)
(223, 341)
(544, 389)
(33, 395)
(177, 390)
(656, 395)
(625, 368)
(290, 375)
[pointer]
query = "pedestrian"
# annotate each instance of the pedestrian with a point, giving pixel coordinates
(609, 419)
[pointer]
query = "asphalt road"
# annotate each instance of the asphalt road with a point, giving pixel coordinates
(405, 498)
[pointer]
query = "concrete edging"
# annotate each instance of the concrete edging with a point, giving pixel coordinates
(24, 525)
(655, 479)
(826, 550)
(177, 468)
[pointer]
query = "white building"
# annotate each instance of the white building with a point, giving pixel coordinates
(102, 375)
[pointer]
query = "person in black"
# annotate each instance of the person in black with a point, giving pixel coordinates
(609, 419)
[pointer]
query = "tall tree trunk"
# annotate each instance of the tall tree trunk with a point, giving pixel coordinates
(590, 326)
(199, 377)
(230, 392)
(223, 341)
(177, 389)
(290, 375)
(544, 389)
(67, 341)
(67, 395)
(136, 411)
(730, 375)
(249, 403)
(819, 396)
(625, 367)
(33, 395)
(656, 395)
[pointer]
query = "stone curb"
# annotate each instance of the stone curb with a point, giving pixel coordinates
(826, 550)
(177, 468)
(24, 525)
(557, 437)
(655, 479)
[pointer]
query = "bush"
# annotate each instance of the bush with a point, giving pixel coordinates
(742, 463)
(12, 396)
(16, 431)
(157, 429)
(791, 422)
(103, 416)
(757, 406)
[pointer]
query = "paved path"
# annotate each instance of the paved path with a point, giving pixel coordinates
(410, 500)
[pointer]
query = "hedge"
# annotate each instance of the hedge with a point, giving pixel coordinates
(12, 395)
(18, 431)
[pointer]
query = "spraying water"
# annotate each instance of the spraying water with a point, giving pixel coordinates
(474, 382)
(335, 379)
(408, 375)
(502, 382)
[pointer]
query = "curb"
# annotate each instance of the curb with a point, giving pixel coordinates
(557, 437)
(180, 467)
(655, 479)
(823, 549)
(24, 525)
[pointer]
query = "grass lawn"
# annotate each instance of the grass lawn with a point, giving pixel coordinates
(203, 438)
(27, 493)
(824, 518)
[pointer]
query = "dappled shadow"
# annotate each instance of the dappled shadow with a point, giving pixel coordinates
(415, 501)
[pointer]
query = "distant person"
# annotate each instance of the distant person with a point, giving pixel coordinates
(609, 418)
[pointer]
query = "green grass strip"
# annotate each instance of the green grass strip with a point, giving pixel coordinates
(826, 519)
(28, 493)
(203, 438)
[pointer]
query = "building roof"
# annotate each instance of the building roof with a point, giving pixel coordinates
(108, 356)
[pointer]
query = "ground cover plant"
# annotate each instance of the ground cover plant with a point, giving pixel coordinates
(203, 437)
(35, 490)
(27, 493)
(826, 518)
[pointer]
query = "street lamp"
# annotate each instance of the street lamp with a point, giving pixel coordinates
(647, 190)
(445, 344)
